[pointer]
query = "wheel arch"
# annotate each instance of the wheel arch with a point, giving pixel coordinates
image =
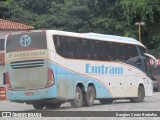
(93, 85)
(143, 87)
(84, 88)
(81, 85)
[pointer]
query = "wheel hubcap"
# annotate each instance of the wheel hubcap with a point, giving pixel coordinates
(78, 97)
(90, 97)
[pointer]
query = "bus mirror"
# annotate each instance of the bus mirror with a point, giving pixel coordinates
(155, 64)
(4, 78)
(153, 58)
(153, 78)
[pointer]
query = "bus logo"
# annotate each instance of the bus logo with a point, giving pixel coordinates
(25, 40)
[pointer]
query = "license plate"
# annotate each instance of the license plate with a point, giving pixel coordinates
(28, 94)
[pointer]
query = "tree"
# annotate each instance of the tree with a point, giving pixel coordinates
(116, 17)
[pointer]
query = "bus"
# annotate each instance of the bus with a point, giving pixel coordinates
(46, 68)
(156, 75)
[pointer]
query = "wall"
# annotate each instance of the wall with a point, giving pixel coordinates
(3, 34)
(2, 69)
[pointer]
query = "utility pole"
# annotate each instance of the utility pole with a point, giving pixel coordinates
(139, 29)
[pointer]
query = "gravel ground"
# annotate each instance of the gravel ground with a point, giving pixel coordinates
(150, 104)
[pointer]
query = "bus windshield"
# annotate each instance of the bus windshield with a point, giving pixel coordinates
(26, 41)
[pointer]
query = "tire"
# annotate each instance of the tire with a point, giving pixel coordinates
(38, 106)
(90, 96)
(106, 101)
(52, 105)
(158, 89)
(141, 95)
(78, 101)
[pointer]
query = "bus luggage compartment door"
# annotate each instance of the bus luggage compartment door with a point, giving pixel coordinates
(65, 86)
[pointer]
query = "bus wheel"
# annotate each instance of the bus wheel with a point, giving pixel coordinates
(106, 101)
(90, 96)
(38, 106)
(158, 89)
(52, 105)
(78, 101)
(141, 95)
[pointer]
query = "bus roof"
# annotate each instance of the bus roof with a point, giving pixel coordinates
(112, 38)
(115, 38)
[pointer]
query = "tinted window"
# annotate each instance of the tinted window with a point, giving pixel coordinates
(142, 50)
(72, 47)
(146, 62)
(34, 40)
(66, 46)
(133, 57)
(84, 49)
(2, 44)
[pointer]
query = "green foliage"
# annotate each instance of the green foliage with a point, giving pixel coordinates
(116, 17)
(137, 9)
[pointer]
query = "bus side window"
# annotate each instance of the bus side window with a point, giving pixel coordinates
(55, 41)
(146, 62)
(133, 56)
(60, 45)
(122, 52)
(117, 52)
(108, 51)
(94, 54)
(98, 46)
(84, 49)
(113, 51)
(57, 44)
(71, 47)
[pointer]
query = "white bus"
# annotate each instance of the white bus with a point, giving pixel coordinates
(49, 67)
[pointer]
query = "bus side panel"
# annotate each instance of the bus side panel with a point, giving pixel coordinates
(117, 84)
(65, 86)
(148, 87)
(146, 82)
(67, 81)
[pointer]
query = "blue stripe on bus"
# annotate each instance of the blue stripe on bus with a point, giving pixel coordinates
(101, 90)
(37, 94)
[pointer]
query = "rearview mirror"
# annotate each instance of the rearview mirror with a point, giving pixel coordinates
(153, 58)
(153, 78)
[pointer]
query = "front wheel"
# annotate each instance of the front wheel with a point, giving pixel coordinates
(78, 101)
(141, 95)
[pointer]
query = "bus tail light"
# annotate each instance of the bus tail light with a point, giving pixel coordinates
(50, 81)
(9, 87)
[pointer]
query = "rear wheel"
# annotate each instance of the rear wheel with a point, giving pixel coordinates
(38, 106)
(106, 101)
(78, 101)
(90, 96)
(52, 105)
(141, 95)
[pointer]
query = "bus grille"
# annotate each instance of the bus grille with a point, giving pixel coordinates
(27, 64)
